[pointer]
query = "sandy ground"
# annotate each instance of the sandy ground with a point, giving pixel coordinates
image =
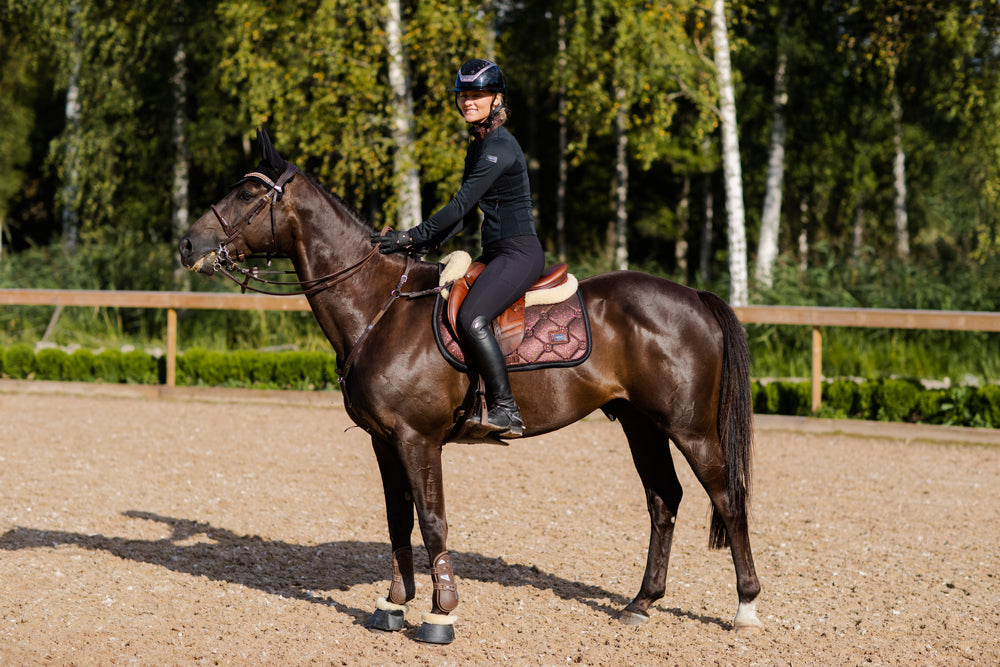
(190, 531)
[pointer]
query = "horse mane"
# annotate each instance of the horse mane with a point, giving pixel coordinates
(340, 204)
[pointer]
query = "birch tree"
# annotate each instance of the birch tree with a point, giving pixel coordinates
(770, 219)
(405, 168)
(736, 225)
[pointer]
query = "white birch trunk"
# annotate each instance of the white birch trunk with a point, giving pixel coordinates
(899, 180)
(738, 279)
(404, 162)
(770, 219)
(621, 186)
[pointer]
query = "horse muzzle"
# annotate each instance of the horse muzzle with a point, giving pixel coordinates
(204, 261)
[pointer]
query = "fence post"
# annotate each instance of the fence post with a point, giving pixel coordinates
(171, 346)
(817, 369)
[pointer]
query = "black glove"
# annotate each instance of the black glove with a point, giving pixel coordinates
(392, 241)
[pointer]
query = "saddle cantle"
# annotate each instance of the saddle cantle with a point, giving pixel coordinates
(546, 327)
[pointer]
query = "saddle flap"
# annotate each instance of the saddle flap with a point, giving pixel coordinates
(509, 328)
(459, 290)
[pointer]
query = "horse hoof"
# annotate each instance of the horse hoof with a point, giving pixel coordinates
(437, 629)
(749, 630)
(387, 616)
(632, 618)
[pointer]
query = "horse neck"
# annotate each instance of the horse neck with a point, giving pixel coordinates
(329, 238)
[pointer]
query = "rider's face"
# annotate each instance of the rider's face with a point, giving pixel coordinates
(475, 104)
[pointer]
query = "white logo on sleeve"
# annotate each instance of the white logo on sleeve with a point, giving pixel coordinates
(492, 158)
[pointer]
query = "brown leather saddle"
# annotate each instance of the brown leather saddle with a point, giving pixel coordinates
(509, 326)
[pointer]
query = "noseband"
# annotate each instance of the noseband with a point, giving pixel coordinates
(275, 189)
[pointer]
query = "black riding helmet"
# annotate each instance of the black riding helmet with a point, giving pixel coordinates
(479, 74)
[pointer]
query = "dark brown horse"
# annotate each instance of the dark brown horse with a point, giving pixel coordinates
(670, 363)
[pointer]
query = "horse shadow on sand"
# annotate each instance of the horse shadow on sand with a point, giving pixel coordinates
(305, 572)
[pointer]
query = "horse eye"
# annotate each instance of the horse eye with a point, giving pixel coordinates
(246, 195)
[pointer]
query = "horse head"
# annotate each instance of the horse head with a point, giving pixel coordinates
(213, 240)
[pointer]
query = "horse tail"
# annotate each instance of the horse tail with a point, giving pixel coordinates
(734, 419)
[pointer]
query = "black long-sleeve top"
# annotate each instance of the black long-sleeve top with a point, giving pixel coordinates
(495, 178)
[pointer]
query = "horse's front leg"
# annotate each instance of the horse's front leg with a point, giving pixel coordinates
(423, 461)
(412, 477)
(390, 610)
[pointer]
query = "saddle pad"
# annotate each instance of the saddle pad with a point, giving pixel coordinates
(555, 335)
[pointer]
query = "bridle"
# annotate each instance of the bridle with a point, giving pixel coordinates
(225, 264)
(275, 190)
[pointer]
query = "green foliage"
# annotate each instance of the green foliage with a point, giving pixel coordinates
(19, 361)
(898, 399)
(109, 366)
(883, 400)
(265, 370)
(50, 364)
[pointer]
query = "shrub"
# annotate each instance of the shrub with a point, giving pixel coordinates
(50, 363)
(766, 398)
(138, 367)
(840, 397)
(19, 361)
(79, 366)
(984, 406)
(898, 400)
(109, 366)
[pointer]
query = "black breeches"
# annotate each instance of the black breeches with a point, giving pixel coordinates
(512, 266)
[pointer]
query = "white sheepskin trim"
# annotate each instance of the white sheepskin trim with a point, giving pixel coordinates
(438, 619)
(385, 605)
(455, 266)
(555, 294)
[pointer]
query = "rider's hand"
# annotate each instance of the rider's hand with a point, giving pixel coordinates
(392, 241)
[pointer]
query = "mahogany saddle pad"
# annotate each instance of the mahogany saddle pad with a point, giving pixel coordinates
(546, 327)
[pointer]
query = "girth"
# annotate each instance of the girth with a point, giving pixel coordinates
(509, 326)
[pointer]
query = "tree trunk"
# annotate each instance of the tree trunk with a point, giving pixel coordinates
(621, 186)
(738, 280)
(563, 142)
(181, 202)
(683, 223)
(71, 159)
(899, 179)
(707, 231)
(857, 236)
(404, 162)
(770, 219)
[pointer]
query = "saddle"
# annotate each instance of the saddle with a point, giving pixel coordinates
(555, 285)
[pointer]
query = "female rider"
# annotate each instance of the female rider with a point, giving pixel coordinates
(496, 179)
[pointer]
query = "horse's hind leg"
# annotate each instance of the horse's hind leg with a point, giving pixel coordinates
(729, 521)
(651, 455)
(399, 512)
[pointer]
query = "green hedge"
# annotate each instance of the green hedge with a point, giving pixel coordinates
(882, 400)
(893, 400)
(196, 367)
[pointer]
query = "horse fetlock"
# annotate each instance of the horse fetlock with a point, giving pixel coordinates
(445, 590)
(402, 589)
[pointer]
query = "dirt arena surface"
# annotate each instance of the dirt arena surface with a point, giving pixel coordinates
(202, 530)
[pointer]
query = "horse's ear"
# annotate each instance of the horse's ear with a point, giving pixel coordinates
(272, 164)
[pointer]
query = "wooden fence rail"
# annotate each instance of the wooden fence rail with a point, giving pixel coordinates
(814, 317)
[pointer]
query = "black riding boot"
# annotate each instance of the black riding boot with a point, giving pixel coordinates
(484, 353)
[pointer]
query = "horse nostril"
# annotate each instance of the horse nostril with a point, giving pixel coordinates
(184, 247)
